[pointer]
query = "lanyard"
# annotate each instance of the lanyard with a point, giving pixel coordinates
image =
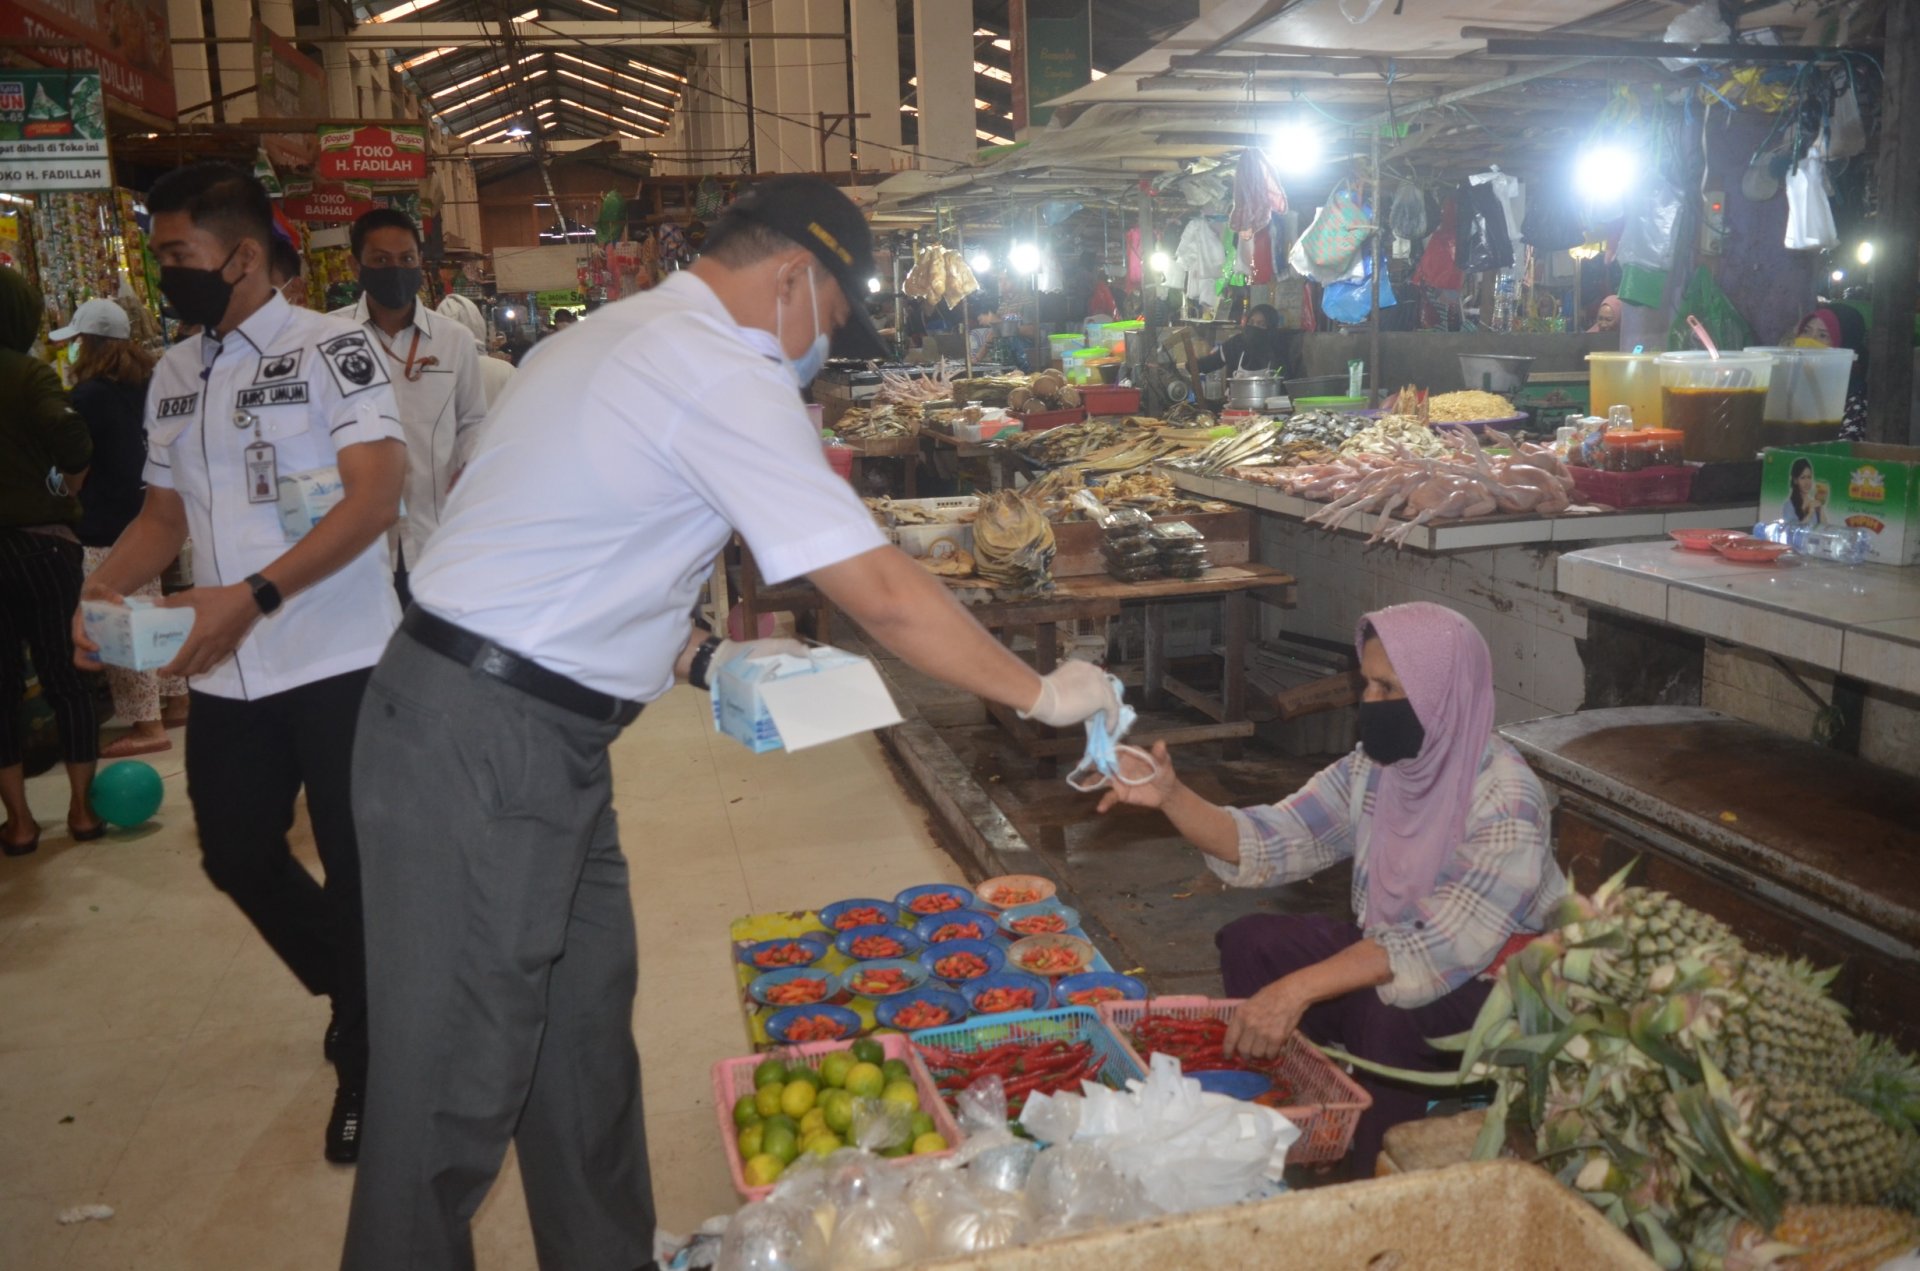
(411, 369)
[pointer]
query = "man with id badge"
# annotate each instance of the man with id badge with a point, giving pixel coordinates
(273, 441)
(435, 372)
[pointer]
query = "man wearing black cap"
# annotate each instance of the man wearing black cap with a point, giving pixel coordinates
(550, 605)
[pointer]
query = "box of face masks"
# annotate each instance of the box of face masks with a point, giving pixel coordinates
(138, 635)
(305, 497)
(791, 702)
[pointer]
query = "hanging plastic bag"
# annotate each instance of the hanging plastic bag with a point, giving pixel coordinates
(1653, 222)
(1257, 194)
(1846, 130)
(1704, 300)
(1810, 224)
(1351, 302)
(1642, 286)
(1699, 25)
(1407, 214)
(1552, 222)
(1334, 238)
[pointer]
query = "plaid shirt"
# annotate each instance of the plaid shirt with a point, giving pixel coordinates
(1502, 880)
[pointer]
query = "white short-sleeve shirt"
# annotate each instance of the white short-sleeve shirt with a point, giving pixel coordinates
(609, 474)
(309, 386)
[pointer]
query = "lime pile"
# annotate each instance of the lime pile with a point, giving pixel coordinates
(795, 1109)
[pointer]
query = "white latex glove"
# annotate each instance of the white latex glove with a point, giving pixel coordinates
(1073, 693)
(730, 650)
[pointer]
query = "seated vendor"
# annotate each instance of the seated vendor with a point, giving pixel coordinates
(1255, 347)
(1448, 831)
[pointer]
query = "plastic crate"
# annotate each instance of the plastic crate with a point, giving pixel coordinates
(1330, 1102)
(734, 1077)
(1051, 419)
(1648, 487)
(1073, 1025)
(1105, 399)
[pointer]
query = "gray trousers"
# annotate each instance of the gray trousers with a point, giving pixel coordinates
(501, 973)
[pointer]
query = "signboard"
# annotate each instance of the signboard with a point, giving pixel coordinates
(53, 131)
(290, 85)
(391, 156)
(125, 40)
(1052, 55)
(553, 267)
(335, 202)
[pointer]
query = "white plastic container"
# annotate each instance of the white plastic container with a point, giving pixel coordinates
(1718, 403)
(1806, 394)
(138, 635)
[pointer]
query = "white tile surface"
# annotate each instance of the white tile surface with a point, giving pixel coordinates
(1598, 583)
(1878, 660)
(1733, 619)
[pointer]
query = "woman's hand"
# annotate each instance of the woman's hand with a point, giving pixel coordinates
(1264, 1021)
(1155, 793)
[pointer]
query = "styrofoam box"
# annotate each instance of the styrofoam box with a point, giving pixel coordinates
(919, 540)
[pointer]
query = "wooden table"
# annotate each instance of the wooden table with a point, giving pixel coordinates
(1101, 596)
(906, 449)
(999, 457)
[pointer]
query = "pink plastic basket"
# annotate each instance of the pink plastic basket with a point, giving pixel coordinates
(1329, 1102)
(734, 1077)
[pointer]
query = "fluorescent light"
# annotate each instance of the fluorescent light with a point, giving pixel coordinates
(531, 15)
(424, 58)
(604, 8)
(401, 10)
(1606, 173)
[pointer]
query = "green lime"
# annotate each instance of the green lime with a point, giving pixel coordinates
(922, 1124)
(896, 1070)
(837, 1107)
(898, 1149)
(780, 1143)
(766, 1100)
(751, 1140)
(835, 1066)
(785, 1122)
(824, 1144)
(762, 1170)
(745, 1113)
(769, 1072)
(929, 1142)
(901, 1094)
(868, 1051)
(798, 1074)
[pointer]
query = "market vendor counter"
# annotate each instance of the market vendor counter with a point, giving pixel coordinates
(1862, 621)
(1803, 851)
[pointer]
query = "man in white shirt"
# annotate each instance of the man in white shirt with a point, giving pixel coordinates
(552, 603)
(287, 625)
(494, 371)
(433, 366)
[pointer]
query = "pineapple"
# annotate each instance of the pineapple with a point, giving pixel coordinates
(1809, 1238)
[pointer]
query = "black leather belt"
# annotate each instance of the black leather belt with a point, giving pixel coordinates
(488, 658)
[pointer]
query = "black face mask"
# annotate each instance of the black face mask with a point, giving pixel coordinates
(199, 296)
(394, 286)
(1390, 731)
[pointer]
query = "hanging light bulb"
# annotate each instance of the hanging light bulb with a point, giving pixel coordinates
(980, 262)
(1295, 147)
(1025, 258)
(1159, 262)
(1864, 252)
(1604, 173)
(873, 285)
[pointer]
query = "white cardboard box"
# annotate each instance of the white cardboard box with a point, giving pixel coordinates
(305, 497)
(787, 702)
(138, 635)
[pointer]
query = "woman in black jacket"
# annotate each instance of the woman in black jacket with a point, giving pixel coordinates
(110, 392)
(44, 448)
(1256, 347)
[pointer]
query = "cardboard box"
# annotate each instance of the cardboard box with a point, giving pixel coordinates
(138, 635)
(789, 702)
(924, 538)
(1865, 485)
(305, 497)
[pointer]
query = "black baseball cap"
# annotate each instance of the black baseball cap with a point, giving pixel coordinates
(815, 214)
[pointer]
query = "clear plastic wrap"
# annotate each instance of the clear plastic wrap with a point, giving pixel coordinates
(878, 1125)
(1075, 1187)
(874, 1235)
(971, 1222)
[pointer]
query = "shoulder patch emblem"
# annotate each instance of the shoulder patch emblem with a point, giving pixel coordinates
(278, 366)
(351, 360)
(176, 407)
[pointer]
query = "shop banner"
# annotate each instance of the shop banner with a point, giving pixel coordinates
(391, 156)
(1052, 55)
(291, 86)
(126, 41)
(53, 132)
(327, 202)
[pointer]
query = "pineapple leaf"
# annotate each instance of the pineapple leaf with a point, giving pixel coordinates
(1660, 1246)
(1651, 1024)
(1493, 1132)
(1495, 1011)
(1409, 1075)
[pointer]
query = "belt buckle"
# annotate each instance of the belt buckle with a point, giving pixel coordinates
(493, 660)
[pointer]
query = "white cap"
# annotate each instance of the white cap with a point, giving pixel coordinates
(96, 317)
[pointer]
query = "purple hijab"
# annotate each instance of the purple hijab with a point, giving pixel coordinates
(1421, 804)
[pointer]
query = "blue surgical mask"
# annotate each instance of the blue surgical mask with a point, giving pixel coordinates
(1100, 765)
(808, 364)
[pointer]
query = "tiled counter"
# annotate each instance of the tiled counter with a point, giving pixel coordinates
(1862, 621)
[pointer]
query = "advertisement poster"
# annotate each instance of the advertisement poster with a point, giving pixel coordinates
(126, 41)
(389, 156)
(53, 132)
(1052, 55)
(327, 202)
(291, 86)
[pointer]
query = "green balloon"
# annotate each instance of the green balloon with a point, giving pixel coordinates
(127, 793)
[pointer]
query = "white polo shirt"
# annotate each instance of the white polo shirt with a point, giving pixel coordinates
(611, 471)
(437, 385)
(315, 386)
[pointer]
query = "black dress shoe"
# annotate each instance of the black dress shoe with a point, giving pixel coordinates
(343, 1127)
(330, 1044)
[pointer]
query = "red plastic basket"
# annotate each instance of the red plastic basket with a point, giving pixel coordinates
(734, 1077)
(1330, 1101)
(1105, 399)
(1051, 419)
(1648, 487)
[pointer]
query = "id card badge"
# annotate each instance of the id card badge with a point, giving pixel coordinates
(263, 473)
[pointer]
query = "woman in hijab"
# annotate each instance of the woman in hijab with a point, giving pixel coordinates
(1255, 347)
(1607, 316)
(1841, 326)
(44, 449)
(1447, 828)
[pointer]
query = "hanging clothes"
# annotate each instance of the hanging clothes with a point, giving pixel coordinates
(1261, 271)
(1511, 196)
(1482, 242)
(1201, 258)
(1438, 268)
(1232, 273)
(1135, 265)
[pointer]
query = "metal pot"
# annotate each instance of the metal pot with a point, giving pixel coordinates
(1249, 390)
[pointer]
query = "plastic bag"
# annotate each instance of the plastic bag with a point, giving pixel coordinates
(1076, 1187)
(876, 1234)
(1351, 302)
(1810, 224)
(1653, 221)
(878, 1125)
(1336, 235)
(1846, 130)
(1407, 214)
(1642, 286)
(1257, 194)
(1699, 25)
(773, 1235)
(1704, 299)
(967, 1222)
